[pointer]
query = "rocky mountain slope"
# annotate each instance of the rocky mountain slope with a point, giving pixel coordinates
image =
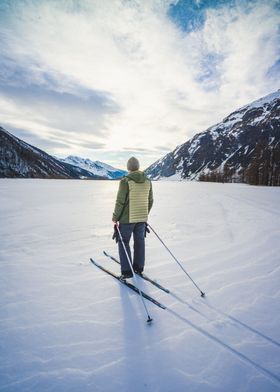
(20, 159)
(244, 147)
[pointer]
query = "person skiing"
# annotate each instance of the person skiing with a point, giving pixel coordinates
(133, 204)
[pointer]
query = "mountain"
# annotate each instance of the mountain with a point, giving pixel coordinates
(244, 147)
(95, 167)
(20, 159)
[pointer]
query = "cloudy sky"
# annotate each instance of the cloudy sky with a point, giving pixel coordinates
(106, 79)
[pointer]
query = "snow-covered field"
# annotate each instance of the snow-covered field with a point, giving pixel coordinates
(66, 326)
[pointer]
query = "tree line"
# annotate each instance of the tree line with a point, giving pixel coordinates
(263, 169)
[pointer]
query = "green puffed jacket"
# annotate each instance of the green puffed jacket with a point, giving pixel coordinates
(134, 198)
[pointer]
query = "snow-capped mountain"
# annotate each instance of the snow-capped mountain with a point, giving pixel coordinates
(95, 167)
(20, 159)
(245, 146)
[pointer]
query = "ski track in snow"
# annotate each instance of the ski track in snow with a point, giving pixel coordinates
(67, 326)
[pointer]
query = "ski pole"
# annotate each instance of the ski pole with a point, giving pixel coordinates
(177, 261)
(149, 320)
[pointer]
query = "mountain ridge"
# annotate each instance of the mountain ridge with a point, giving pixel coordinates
(96, 167)
(228, 151)
(19, 159)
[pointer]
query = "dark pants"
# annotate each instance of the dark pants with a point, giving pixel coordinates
(138, 230)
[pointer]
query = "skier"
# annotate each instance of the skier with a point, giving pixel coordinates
(133, 204)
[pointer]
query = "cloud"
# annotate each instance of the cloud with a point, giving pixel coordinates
(247, 38)
(142, 150)
(35, 139)
(92, 145)
(191, 15)
(63, 110)
(128, 75)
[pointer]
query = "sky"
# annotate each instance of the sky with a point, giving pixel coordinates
(107, 79)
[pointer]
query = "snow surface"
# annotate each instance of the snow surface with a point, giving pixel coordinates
(175, 177)
(66, 326)
(262, 101)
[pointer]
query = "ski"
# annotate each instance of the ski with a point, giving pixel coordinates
(130, 285)
(143, 276)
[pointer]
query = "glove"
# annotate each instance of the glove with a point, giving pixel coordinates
(147, 230)
(116, 236)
